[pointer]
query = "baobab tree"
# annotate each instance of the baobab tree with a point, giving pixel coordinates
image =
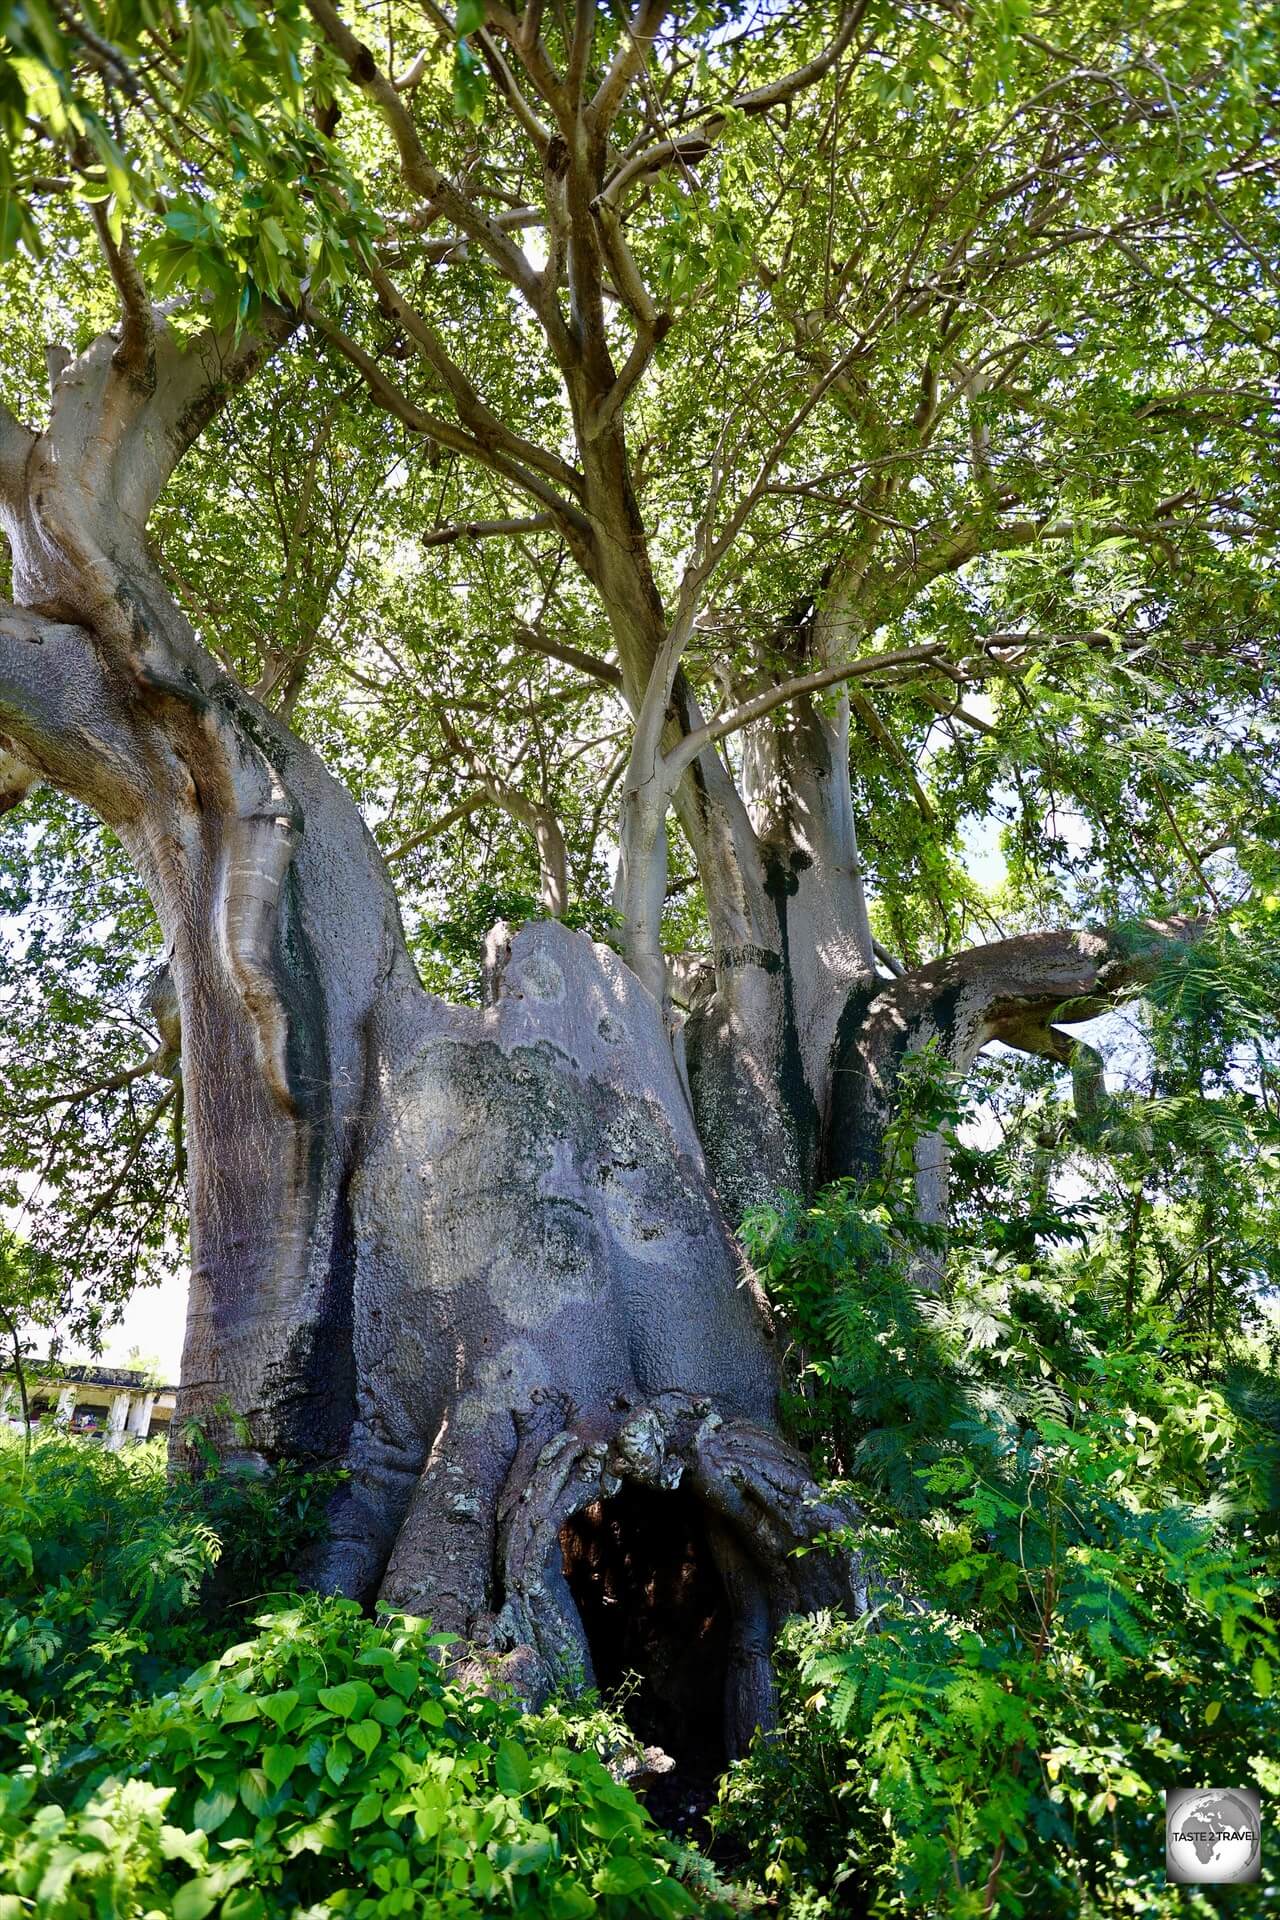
(823, 376)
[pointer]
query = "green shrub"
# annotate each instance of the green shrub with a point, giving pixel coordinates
(329, 1765)
(326, 1765)
(1076, 1546)
(114, 1577)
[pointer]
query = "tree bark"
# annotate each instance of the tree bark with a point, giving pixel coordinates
(761, 1045)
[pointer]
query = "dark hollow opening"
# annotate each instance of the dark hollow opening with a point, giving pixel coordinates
(640, 1569)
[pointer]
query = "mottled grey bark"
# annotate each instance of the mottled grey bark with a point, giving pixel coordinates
(762, 1039)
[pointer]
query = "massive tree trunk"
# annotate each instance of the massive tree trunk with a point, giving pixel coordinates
(477, 1257)
(473, 1256)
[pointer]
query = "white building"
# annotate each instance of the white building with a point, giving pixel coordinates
(112, 1404)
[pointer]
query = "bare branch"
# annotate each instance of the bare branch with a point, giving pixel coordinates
(638, 36)
(105, 1200)
(434, 427)
(952, 710)
(507, 86)
(136, 354)
(536, 815)
(485, 529)
(688, 749)
(480, 420)
(889, 741)
(1192, 861)
(470, 803)
(888, 960)
(162, 1061)
(777, 92)
(419, 173)
(413, 75)
(697, 143)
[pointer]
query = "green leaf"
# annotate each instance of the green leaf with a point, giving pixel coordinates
(621, 1875)
(512, 1769)
(194, 1900)
(244, 1903)
(347, 1700)
(278, 1763)
(403, 1676)
(366, 1810)
(215, 1806)
(1261, 1678)
(255, 1791)
(279, 1706)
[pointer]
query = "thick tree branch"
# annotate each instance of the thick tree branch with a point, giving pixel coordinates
(553, 855)
(638, 36)
(16, 443)
(570, 656)
(57, 708)
(16, 781)
(1006, 990)
(136, 354)
(1016, 991)
(485, 529)
(196, 377)
(480, 420)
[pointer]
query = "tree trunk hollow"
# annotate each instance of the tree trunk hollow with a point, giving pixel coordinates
(642, 1572)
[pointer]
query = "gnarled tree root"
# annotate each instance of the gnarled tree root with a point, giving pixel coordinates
(760, 1508)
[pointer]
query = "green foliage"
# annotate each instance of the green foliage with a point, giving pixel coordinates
(90, 1166)
(114, 1577)
(1071, 1533)
(328, 1764)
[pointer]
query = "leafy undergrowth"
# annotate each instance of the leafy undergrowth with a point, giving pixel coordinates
(325, 1765)
(1072, 1530)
